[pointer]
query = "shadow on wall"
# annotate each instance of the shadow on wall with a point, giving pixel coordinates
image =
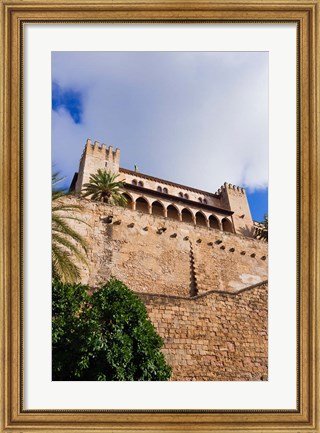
(247, 231)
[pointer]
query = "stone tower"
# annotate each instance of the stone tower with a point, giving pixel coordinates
(94, 157)
(235, 198)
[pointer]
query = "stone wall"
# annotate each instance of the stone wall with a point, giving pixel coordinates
(134, 249)
(204, 288)
(216, 336)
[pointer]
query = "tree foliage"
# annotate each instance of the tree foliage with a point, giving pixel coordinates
(104, 186)
(67, 243)
(104, 336)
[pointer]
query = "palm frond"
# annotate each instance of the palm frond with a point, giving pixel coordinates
(62, 265)
(67, 243)
(59, 225)
(59, 239)
(104, 186)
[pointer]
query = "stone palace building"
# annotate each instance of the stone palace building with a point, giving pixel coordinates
(190, 255)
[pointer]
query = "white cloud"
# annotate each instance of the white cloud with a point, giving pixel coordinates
(195, 118)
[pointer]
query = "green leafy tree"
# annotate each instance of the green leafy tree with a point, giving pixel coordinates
(261, 230)
(105, 336)
(67, 243)
(104, 186)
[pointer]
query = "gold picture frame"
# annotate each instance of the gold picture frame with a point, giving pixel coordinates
(14, 418)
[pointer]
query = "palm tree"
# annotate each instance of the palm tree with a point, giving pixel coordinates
(104, 186)
(261, 229)
(67, 243)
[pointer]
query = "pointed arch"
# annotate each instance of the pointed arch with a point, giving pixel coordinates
(173, 212)
(227, 225)
(158, 208)
(187, 216)
(142, 205)
(201, 219)
(214, 222)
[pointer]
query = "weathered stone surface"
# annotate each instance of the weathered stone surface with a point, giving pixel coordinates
(214, 337)
(159, 263)
(190, 288)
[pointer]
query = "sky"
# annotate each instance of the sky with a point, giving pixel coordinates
(195, 118)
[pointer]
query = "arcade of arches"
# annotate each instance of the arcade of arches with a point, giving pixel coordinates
(157, 208)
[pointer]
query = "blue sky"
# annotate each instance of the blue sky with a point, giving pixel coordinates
(196, 118)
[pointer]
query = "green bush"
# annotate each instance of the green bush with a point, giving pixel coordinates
(106, 336)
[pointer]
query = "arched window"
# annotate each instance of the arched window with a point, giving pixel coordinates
(201, 219)
(186, 196)
(227, 225)
(205, 201)
(159, 188)
(181, 194)
(129, 200)
(134, 182)
(213, 222)
(172, 212)
(142, 205)
(140, 183)
(186, 216)
(165, 190)
(157, 208)
(200, 199)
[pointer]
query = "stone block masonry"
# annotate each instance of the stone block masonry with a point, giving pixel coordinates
(154, 254)
(216, 336)
(205, 290)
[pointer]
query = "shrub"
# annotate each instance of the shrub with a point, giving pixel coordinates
(106, 336)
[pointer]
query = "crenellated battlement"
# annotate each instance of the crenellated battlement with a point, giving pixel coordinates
(101, 151)
(96, 156)
(234, 198)
(229, 186)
